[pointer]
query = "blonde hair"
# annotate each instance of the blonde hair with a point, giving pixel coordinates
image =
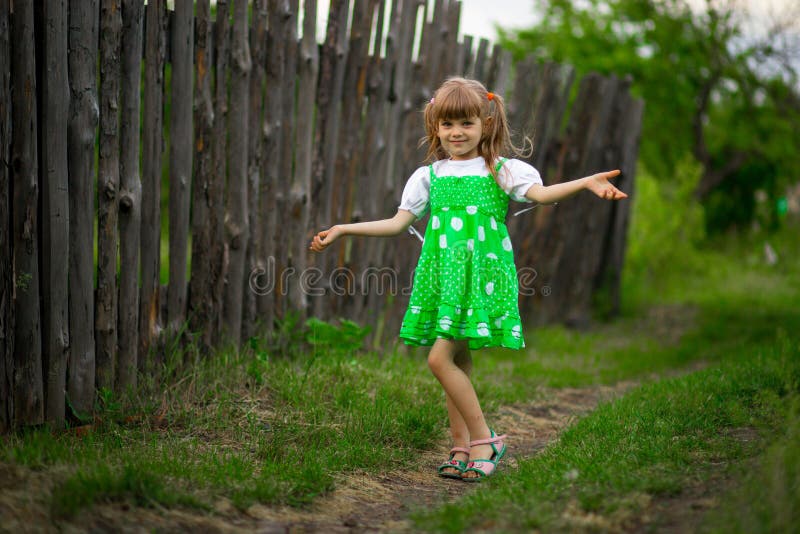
(460, 98)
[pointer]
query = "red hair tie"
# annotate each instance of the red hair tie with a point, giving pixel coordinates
(490, 96)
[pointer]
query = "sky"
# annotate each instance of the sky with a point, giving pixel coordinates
(479, 17)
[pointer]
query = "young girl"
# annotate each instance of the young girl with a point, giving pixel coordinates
(465, 285)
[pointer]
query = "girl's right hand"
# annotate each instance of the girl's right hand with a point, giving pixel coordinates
(325, 238)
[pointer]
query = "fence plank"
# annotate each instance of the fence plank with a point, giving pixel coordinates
(84, 115)
(130, 198)
(288, 99)
(237, 232)
(455, 56)
(480, 68)
(152, 151)
(326, 132)
(350, 130)
(108, 186)
(271, 190)
(6, 228)
(180, 160)
(300, 192)
(255, 157)
(216, 192)
(55, 207)
(28, 389)
(580, 229)
(623, 137)
(202, 281)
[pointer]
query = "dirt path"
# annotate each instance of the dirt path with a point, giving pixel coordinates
(364, 503)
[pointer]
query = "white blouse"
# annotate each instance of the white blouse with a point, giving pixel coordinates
(515, 177)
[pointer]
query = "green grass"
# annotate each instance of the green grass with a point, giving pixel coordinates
(247, 426)
(768, 500)
(651, 442)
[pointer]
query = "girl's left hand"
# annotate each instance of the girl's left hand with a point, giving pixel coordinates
(600, 186)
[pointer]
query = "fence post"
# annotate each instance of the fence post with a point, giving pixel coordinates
(55, 207)
(130, 197)
(288, 29)
(6, 229)
(237, 234)
(152, 149)
(300, 192)
(107, 188)
(329, 94)
(84, 115)
(255, 157)
(180, 160)
(202, 281)
(28, 390)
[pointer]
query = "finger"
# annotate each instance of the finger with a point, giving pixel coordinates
(612, 174)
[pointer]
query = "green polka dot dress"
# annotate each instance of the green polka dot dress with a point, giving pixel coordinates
(465, 283)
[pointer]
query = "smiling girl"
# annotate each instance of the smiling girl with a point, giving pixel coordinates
(465, 285)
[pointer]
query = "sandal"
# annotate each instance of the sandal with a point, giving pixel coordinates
(452, 463)
(486, 467)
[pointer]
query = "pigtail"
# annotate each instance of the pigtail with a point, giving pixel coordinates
(497, 136)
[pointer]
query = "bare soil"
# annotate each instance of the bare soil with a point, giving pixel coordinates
(365, 502)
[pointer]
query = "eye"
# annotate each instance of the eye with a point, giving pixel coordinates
(445, 124)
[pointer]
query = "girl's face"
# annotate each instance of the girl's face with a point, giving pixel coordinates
(460, 137)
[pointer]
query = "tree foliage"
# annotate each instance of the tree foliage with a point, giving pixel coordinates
(713, 89)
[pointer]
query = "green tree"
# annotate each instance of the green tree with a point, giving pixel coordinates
(711, 89)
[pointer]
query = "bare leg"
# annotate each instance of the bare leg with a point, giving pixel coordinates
(460, 392)
(458, 427)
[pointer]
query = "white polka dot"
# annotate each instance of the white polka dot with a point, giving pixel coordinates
(435, 222)
(491, 256)
(493, 223)
(445, 322)
(469, 312)
(483, 329)
(481, 234)
(456, 223)
(472, 210)
(489, 288)
(443, 241)
(507, 243)
(446, 208)
(498, 322)
(516, 331)
(471, 244)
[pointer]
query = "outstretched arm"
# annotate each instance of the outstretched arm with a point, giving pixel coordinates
(596, 183)
(383, 228)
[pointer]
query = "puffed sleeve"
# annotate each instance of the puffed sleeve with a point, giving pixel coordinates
(416, 194)
(517, 177)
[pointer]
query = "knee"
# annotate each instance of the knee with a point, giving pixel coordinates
(437, 361)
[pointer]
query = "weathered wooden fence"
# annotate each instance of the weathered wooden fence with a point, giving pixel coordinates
(269, 136)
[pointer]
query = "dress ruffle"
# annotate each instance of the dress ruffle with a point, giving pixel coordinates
(423, 326)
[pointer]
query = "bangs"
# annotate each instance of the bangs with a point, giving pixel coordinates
(457, 102)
